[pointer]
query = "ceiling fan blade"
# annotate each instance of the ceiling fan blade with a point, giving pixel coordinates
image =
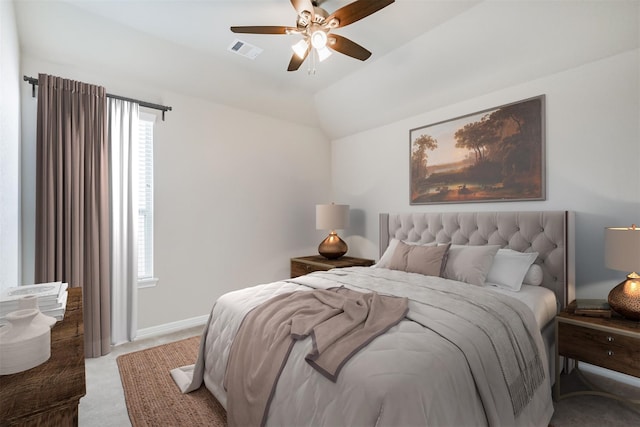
(263, 30)
(302, 5)
(347, 47)
(296, 61)
(357, 10)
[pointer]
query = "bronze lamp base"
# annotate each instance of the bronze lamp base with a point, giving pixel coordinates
(332, 247)
(624, 299)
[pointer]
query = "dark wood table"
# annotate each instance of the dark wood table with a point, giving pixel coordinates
(307, 264)
(612, 343)
(49, 394)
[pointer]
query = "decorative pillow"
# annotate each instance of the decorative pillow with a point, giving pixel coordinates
(469, 264)
(426, 260)
(388, 253)
(534, 275)
(509, 268)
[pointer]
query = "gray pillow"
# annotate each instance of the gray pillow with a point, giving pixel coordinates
(534, 276)
(426, 260)
(385, 259)
(469, 264)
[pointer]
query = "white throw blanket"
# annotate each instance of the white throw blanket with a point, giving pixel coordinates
(454, 370)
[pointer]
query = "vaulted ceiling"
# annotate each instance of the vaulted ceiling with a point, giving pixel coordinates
(420, 49)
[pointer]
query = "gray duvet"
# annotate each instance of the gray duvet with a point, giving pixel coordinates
(339, 321)
(462, 357)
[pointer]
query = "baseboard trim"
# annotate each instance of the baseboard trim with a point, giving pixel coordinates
(168, 328)
(607, 373)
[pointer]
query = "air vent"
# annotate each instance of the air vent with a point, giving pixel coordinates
(244, 49)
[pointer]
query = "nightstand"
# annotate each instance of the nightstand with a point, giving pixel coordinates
(611, 343)
(306, 264)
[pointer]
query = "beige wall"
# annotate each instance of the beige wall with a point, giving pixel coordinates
(9, 148)
(235, 190)
(235, 195)
(592, 152)
(589, 70)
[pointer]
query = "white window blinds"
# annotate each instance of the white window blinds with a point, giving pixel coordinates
(145, 197)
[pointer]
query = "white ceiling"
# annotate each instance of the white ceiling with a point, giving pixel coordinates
(186, 43)
(181, 45)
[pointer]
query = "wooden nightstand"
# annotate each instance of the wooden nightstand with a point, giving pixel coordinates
(306, 264)
(611, 343)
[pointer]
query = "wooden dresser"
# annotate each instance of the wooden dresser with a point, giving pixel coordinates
(306, 264)
(49, 394)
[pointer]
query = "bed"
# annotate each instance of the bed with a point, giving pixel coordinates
(463, 353)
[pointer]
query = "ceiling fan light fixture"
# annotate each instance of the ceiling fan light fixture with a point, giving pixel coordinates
(300, 48)
(315, 25)
(319, 39)
(323, 53)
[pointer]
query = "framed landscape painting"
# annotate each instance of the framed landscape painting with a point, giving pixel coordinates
(489, 156)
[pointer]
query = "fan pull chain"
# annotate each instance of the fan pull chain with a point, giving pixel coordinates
(312, 63)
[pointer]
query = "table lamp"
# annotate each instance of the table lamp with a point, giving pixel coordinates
(332, 217)
(622, 252)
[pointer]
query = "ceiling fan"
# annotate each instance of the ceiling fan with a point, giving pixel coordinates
(314, 24)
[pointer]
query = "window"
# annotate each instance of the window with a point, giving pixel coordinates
(145, 200)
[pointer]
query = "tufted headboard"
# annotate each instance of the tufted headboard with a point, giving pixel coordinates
(550, 233)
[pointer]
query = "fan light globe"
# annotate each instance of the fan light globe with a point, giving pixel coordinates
(300, 48)
(319, 39)
(323, 53)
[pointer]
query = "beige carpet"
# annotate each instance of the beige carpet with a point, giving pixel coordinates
(153, 399)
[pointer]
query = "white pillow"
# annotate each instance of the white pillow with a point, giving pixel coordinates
(534, 275)
(385, 259)
(509, 268)
(470, 263)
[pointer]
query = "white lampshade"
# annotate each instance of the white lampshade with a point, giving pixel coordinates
(332, 217)
(622, 248)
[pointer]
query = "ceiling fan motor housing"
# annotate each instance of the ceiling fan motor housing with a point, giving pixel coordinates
(320, 15)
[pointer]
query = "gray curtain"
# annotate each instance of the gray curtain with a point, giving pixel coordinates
(72, 199)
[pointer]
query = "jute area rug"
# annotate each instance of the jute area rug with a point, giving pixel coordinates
(153, 399)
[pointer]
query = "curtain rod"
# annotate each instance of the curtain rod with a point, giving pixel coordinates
(34, 82)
